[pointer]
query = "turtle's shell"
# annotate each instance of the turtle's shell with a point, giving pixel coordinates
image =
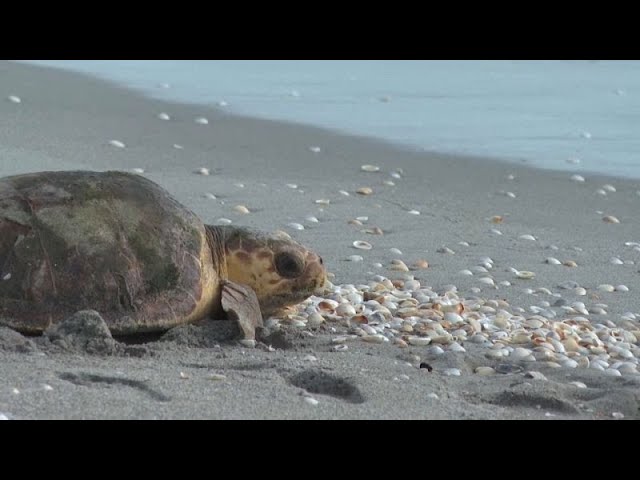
(112, 242)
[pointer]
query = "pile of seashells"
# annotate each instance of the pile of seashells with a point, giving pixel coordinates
(405, 313)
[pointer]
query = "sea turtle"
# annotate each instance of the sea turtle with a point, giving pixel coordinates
(120, 244)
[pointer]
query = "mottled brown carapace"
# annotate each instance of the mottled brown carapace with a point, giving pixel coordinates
(120, 244)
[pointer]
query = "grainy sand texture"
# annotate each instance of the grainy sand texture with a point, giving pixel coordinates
(560, 345)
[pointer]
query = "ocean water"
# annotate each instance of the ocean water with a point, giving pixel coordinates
(574, 115)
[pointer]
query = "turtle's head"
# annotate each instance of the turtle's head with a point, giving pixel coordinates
(279, 270)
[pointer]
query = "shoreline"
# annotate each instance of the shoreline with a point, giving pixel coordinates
(408, 148)
(66, 121)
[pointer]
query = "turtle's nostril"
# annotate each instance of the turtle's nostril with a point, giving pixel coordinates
(321, 261)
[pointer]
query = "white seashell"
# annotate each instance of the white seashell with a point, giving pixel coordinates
(452, 372)
(14, 99)
(578, 384)
(609, 188)
(610, 219)
(396, 175)
(364, 190)
(395, 251)
(487, 281)
(312, 219)
(525, 275)
(418, 341)
(7, 277)
(601, 192)
(446, 250)
(137, 170)
(399, 265)
(203, 171)
(527, 237)
(47, 387)
(340, 348)
(535, 376)
(612, 372)
(362, 245)
(314, 149)
(505, 283)
(378, 338)
(222, 103)
(224, 221)
(456, 347)
(241, 209)
(465, 272)
(606, 288)
(323, 201)
(311, 401)
(362, 219)
(586, 135)
(577, 178)
(116, 143)
(622, 288)
(580, 291)
(520, 353)
(569, 363)
(495, 231)
(292, 185)
(369, 168)
(553, 261)
(616, 261)
(210, 196)
(355, 258)
(248, 343)
(413, 212)
(164, 116)
(216, 377)
(201, 121)
(295, 226)
(177, 147)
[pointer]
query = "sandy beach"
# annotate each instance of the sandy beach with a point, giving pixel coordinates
(451, 211)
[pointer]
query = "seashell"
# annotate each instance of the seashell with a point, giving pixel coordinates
(362, 245)
(357, 223)
(616, 261)
(295, 226)
(139, 171)
(609, 188)
(395, 251)
(610, 219)
(525, 275)
(586, 135)
(446, 250)
(223, 221)
(340, 348)
(314, 149)
(399, 265)
(606, 288)
(456, 347)
(622, 288)
(364, 190)
(345, 310)
(344, 192)
(421, 264)
(315, 320)
(164, 116)
(465, 272)
(527, 237)
(312, 219)
(600, 191)
(377, 338)
(580, 291)
(201, 121)
(248, 343)
(241, 209)
(14, 99)
(413, 212)
(369, 168)
(323, 201)
(374, 231)
(203, 171)
(552, 261)
(389, 183)
(418, 341)
(178, 147)
(577, 178)
(451, 372)
(569, 263)
(117, 143)
(484, 371)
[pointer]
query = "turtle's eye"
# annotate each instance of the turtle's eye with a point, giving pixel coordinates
(289, 265)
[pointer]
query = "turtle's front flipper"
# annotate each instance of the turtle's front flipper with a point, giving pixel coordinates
(241, 304)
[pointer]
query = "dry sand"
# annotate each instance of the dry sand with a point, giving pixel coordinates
(65, 121)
